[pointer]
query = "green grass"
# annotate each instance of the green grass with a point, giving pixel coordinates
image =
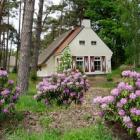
(97, 132)
(108, 85)
(27, 103)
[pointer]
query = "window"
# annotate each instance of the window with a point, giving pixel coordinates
(79, 62)
(97, 58)
(79, 58)
(97, 63)
(82, 42)
(93, 42)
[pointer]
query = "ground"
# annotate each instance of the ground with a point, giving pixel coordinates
(36, 121)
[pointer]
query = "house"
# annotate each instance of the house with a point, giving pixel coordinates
(12, 63)
(86, 47)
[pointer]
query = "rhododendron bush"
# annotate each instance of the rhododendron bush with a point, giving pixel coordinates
(8, 93)
(123, 105)
(63, 88)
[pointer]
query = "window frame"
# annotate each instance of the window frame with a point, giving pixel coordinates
(82, 42)
(93, 43)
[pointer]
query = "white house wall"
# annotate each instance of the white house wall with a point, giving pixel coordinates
(87, 34)
(48, 69)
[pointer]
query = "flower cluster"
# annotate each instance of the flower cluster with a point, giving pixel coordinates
(123, 105)
(8, 93)
(63, 88)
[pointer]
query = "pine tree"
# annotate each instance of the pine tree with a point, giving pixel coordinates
(26, 43)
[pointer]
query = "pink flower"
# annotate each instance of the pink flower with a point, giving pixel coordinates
(121, 85)
(138, 84)
(97, 100)
(137, 93)
(119, 105)
(3, 73)
(138, 112)
(126, 73)
(138, 129)
(132, 96)
(11, 82)
(5, 92)
(123, 101)
(104, 106)
(126, 119)
(129, 124)
(108, 99)
(128, 87)
(133, 110)
(115, 92)
(5, 110)
(121, 112)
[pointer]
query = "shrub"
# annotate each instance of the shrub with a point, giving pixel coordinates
(63, 88)
(8, 93)
(123, 105)
(65, 61)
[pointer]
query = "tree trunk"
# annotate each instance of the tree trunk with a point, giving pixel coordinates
(1, 9)
(18, 45)
(37, 43)
(25, 50)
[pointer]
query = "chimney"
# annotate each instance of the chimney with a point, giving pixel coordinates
(86, 23)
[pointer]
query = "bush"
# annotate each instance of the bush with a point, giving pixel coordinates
(65, 61)
(8, 93)
(33, 75)
(123, 105)
(62, 88)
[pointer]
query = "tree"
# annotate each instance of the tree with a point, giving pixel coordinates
(106, 21)
(6, 12)
(130, 16)
(37, 42)
(26, 43)
(65, 61)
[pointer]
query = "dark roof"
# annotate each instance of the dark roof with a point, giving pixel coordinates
(49, 51)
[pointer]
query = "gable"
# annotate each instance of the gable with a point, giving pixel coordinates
(89, 37)
(46, 53)
(70, 38)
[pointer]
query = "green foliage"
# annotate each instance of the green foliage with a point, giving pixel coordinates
(130, 18)
(106, 22)
(109, 77)
(27, 103)
(65, 61)
(33, 75)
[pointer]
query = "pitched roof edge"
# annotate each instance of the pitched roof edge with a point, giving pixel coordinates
(58, 46)
(81, 28)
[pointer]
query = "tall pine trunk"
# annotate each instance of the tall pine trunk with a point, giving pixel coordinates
(1, 9)
(25, 50)
(37, 43)
(18, 44)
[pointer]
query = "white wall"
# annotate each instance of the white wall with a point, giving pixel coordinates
(48, 69)
(87, 34)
